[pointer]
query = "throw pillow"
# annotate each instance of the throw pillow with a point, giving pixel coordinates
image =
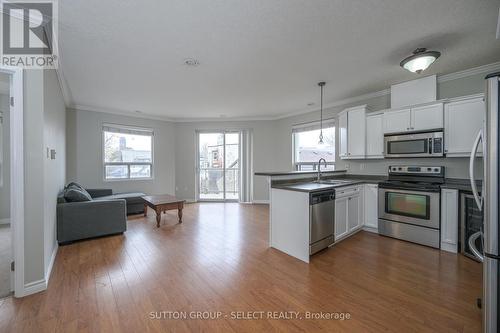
(76, 195)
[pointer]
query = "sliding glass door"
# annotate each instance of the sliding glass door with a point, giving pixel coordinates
(218, 166)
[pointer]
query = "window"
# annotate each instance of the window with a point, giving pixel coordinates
(307, 151)
(127, 152)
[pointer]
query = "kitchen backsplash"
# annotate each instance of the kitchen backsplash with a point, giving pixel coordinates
(455, 167)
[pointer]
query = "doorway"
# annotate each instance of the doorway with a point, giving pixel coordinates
(6, 281)
(218, 166)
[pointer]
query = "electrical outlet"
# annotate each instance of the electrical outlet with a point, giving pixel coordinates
(362, 166)
(346, 166)
(52, 154)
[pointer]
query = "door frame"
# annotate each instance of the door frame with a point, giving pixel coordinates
(16, 175)
(198, 169)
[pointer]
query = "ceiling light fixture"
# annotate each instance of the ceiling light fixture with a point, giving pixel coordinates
(420, 60)
(321, 85)
(191, 62)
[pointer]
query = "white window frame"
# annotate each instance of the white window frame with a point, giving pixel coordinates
(309, 126)
(140, 131)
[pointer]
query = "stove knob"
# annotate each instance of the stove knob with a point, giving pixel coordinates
(429, 169)
(400, 169)
(436, 169)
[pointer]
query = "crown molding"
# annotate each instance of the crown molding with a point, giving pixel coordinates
(119, 112)
(469, 72)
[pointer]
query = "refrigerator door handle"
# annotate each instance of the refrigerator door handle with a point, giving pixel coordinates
(477, 198)
(472, 245)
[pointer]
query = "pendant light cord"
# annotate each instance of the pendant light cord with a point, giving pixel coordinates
(321, 84)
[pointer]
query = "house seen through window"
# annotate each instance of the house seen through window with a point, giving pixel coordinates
(128, 153)
(306, 148)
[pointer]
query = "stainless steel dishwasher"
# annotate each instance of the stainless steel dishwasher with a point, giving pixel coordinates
(321, 220)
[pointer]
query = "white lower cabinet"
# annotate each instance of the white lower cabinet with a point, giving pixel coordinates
(449, 220)
(371, 207)
(340, 218)
(348, 211)
(353, 213)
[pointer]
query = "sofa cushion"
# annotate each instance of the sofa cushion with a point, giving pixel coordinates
(73, 184)
(131, 198)
(73, 194)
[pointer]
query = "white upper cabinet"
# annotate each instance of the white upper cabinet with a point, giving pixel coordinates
(356, 133)
(418, 118)
(427, 117)
(352, 126)
(374, 136)
(397, 121)
(462, 120)
(343, 134)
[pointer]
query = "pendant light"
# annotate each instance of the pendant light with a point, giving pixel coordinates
(420, 60)
(321, 85)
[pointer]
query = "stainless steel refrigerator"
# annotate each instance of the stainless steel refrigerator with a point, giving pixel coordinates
(488, 201)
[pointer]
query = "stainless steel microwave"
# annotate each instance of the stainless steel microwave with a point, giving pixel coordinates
(418, 144)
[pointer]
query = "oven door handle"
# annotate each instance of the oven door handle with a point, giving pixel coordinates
(477, 198)
(472, 245)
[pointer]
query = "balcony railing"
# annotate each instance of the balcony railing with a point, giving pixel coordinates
(211, 183)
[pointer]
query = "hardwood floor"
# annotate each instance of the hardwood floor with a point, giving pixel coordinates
(218, 260)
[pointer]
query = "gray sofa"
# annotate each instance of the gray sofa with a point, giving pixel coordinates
(105, 214)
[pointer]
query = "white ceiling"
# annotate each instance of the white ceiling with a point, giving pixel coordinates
(259, 58)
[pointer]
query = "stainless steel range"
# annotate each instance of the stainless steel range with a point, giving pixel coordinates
(409, 204)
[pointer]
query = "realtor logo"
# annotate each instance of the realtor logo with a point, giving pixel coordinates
(28, 34)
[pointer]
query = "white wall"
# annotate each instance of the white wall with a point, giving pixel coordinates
(5, 188)
(34, 165)
(55, 170)
(264, 150)
(84, 152)
(44, 126)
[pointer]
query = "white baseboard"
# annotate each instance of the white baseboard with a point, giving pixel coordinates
(261, 202)
(370, 229)
(448, 247)
(34, 287)
(190, 200)
(51, 263)
(41, 285)
(5, 221)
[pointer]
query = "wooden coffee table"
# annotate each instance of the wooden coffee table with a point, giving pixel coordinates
(162, 203)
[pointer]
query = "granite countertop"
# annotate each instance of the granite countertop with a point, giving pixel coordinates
(309, 185)
(291, 173)
(460, 184)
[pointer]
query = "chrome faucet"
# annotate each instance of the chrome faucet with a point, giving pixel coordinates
(319, 168)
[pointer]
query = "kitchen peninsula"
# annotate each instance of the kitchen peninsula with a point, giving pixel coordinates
(298, 201)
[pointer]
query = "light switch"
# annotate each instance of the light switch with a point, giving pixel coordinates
(52, 154)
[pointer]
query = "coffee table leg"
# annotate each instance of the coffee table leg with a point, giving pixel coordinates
(145, 210)
(179, 212)
(158, 217)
